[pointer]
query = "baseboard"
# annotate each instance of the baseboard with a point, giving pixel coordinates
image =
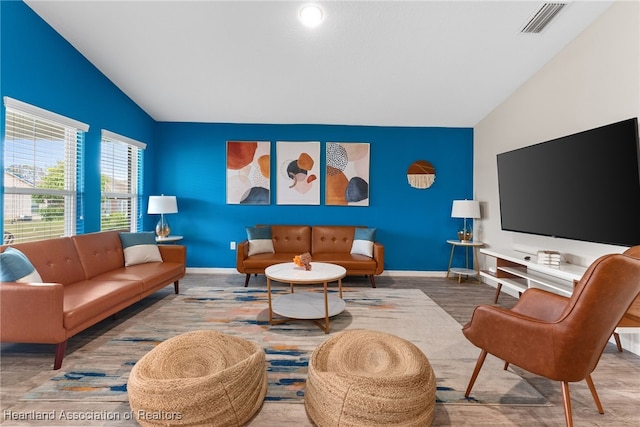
(391, 273)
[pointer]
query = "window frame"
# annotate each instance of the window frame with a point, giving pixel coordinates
(65, 134)
(134, 179)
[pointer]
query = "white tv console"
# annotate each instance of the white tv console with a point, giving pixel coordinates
(515, 272)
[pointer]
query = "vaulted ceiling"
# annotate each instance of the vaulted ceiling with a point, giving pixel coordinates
(387, 63)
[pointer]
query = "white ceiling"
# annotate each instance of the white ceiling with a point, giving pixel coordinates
(392, 63)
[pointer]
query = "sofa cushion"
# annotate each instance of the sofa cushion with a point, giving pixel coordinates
(260, 240)
(140, 248)
(353, 263)
(291, 238)
(16, 267)
(99, 252)
(55, 260)
(152, 275)
(89, 299)
(262, 261)
(363, 239)
(331, 239)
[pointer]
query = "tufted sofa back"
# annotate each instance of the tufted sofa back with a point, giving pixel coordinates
(291, 238)
(332, 239)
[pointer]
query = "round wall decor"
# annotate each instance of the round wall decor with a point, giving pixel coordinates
(421, 174)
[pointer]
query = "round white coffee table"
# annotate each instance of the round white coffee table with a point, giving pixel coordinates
(306, 305)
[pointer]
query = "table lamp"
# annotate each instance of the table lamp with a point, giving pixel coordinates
(162, 205)
(465, 209)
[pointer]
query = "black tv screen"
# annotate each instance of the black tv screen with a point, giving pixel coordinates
(584, 186)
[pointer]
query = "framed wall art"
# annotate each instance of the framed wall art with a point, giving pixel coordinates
(248, 172)
(347, 174)
(297, 179)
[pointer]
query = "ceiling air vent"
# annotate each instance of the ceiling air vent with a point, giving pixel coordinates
(542, 17)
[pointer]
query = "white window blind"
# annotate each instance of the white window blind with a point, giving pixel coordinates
(41, 162)
(121, 181)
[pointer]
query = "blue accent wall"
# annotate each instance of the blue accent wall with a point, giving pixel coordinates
(188, 160)
(413, 224)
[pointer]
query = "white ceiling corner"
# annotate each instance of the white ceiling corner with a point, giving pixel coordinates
(385, 63)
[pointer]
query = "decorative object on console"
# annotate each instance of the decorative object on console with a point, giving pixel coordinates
(465, 209)
(162, 205)
(303, 260)
(549, 257)
(421, 174)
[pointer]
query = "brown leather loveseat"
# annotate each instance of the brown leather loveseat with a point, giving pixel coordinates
(85, 280)
(325, 243)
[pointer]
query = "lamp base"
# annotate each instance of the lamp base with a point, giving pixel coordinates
(162, 228)
(465, 236)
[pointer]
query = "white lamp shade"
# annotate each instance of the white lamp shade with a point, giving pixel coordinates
(162, 205)
(465, 209)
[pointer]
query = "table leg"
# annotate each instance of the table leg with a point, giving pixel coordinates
(269, 298)
(450, 260)
(477, 264)
(326, 308)
(340, 287)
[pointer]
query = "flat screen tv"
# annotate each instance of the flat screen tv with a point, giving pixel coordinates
(584, 186)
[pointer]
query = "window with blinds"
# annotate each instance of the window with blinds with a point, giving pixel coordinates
(120, 182)
(42, 152)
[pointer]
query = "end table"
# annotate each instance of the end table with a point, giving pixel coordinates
(466, 271)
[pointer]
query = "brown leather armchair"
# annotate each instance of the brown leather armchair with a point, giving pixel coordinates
(631, 318)
(554, 336)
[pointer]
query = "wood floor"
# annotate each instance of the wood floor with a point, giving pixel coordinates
(617, 378)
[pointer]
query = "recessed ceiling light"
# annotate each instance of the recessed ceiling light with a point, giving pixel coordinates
(311, 15)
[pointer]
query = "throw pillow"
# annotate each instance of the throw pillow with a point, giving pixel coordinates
(16, 267)
(363, 242)
(140, 248)
(260, 240)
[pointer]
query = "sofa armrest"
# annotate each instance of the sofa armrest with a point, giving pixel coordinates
(242, 253)
(378, 255)
(173, 253)
(32, 312)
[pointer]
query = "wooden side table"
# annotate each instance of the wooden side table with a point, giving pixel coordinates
(467, 270)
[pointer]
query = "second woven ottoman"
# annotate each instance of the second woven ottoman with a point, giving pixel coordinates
(368, 378)
(200, 378)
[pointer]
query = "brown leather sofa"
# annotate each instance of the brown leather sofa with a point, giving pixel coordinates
(84, 281)
(325, 243)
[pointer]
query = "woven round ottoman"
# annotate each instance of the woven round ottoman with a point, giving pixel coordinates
(201, 378)
(369, 378)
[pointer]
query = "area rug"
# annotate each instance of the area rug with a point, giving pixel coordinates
(99, 370)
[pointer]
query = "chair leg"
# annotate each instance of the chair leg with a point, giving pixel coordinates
(479, 363)
(616, 336)
(372, 280)
(566, 399)
(495, 300)
(594, 393)
(176, 286)
(246, 280)
(506, 365)
(60, 349)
